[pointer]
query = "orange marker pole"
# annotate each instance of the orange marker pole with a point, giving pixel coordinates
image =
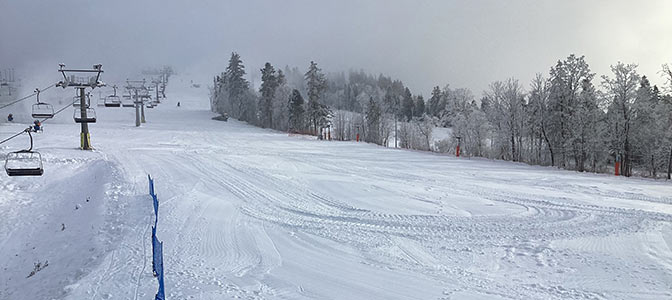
(617, 165)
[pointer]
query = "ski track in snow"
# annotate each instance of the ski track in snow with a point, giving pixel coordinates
(248, 213)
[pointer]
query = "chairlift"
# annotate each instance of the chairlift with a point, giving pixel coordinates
(112, 101)
(127, 101)
(90, 115)
(42, 110)
(24, 162)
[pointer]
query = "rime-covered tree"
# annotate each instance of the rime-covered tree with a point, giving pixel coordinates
(566, 80)
(296, 112)
(585, 130)
(316, 83)
(373, 118)
(664, 113)
(505, 113)
(433, 108)
(647, 129)
(538, 117)
(622, 92)
(407, 105)
(280, 100)
(419, 109)
(238, 88)
(269, 84)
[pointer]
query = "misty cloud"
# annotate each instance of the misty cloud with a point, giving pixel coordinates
(423, 43)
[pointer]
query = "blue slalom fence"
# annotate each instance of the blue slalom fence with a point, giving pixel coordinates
(151, 185)
(155, 257)
(160, 294)
(155, 202)
(157, 246)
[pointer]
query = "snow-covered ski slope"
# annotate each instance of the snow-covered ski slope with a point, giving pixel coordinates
(249, 213)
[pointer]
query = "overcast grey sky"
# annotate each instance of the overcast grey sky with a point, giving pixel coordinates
(423, 43)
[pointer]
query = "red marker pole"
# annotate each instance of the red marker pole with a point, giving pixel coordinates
(457, 150)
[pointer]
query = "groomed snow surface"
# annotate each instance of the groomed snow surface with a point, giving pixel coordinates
(250, 213)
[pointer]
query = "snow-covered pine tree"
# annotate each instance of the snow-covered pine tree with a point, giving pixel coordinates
(238, 88)
(433, 108)
(407, 105)
(316, 83)
(269, 84)
(419, 109)
(373, 115)
(296, 112)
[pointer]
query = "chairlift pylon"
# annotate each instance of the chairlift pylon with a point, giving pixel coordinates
(42, 110)
(24, 162)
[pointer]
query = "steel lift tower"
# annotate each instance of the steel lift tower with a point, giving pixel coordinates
(90, 79)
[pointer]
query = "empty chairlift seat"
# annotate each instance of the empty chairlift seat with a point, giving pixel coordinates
(24, 163)
(90, 116)
(42, 110)
(112, 101)
(127, 101)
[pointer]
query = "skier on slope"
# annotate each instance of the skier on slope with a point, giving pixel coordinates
(37, 126)
(178, 104)
(10, 118)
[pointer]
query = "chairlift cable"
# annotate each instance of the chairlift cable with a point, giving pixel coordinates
(17, 134)
(42, 121)
(58, 111)
(26, 97)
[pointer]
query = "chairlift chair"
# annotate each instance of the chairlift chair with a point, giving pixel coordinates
(127, 101)
(24, 162)
(90, 115)
(112, 101)
(42, 110)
